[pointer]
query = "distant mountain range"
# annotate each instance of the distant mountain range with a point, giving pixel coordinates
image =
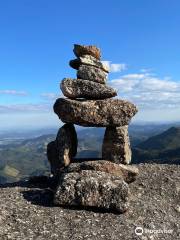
(167, 140)
(28, 157)
(162, 148)
(20, 158)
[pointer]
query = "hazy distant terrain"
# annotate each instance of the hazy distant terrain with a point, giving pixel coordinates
(24, 157)
(23, 153)
(161, 148)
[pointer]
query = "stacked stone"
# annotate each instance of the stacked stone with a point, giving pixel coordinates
(90, 103)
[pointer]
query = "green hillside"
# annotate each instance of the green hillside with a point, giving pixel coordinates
(167, 140)
(27, 158)
(162, 148)
(24, 159)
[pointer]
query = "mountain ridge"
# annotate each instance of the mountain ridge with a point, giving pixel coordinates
(169, 139)
(28, 156)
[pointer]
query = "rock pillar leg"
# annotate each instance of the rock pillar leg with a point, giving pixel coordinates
(52, 155)
(116, 145)
(61, 151)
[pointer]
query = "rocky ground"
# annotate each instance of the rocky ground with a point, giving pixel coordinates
(26, 211)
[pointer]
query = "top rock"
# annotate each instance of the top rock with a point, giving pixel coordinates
(81, 50)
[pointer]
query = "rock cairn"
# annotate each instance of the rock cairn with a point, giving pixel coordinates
(89, 102)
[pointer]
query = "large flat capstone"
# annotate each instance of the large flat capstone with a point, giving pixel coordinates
(92, 189)
(91, 113)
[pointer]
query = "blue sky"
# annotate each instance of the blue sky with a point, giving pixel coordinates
(139, 39)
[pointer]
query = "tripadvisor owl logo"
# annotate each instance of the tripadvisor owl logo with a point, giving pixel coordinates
(139, 231)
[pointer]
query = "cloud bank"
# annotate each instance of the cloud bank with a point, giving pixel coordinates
(26, 108)
(148, 91)
(14, 92)
(158, 99)
(50, 96)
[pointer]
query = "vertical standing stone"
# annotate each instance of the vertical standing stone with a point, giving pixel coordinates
(52, 155)
(66, 142)
(116, 145)
(61, 151)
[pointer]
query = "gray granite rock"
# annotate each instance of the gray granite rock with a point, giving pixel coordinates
(92, 73)
(127, 172)
(77, 88)
(88, 60)
(66, 141)
(100, 113)
(61, 151)
(116, 145)
(92, 189)
(52, 155)
(80, 50)
(28, 213)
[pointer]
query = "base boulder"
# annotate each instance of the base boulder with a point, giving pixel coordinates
(127, 172)
(92, 189)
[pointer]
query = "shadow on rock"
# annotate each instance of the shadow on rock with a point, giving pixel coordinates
(33, 182)
(89, 209)
(40, 197)
(15, 184)
(44, 197)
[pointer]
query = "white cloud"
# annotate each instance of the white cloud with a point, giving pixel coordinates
(157, 99)
(118, 67)
(14, 92)
(148, 91)
(25, 108)
(28, 121)
(146, 70)
(45, 105)
(28, 115)
(50, 96)
(115, 67)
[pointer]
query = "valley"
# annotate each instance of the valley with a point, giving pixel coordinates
(24, 154)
